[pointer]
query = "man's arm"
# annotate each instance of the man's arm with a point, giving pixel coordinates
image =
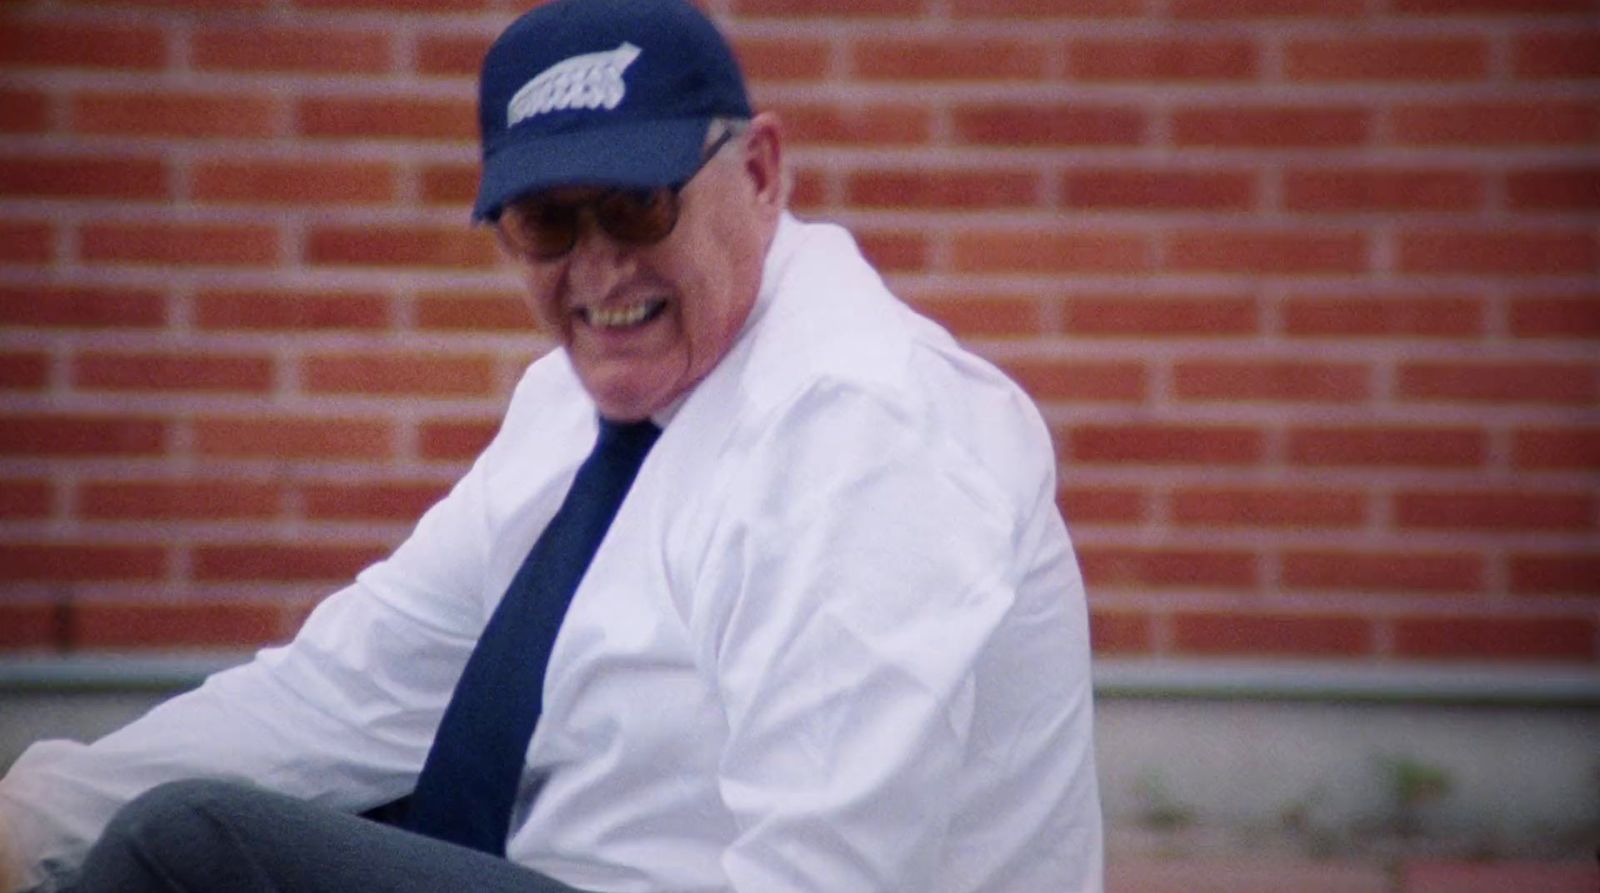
(342, 715)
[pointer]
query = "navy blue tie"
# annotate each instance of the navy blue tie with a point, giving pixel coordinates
(468, 782)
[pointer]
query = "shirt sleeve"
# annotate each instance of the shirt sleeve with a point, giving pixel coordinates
(343, 714)
(863, 564)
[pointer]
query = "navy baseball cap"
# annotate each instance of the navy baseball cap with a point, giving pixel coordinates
(614, 93)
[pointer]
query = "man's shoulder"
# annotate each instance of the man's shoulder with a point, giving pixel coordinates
(834, 323)
(828, 316)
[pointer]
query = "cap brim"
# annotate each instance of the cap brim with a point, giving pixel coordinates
(642, 154)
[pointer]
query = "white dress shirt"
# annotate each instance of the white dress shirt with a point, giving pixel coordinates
(833, 642)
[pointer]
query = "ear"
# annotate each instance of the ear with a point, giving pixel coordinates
(764, 162)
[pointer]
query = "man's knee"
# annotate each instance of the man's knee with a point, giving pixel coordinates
(180, 823)
(188, 805)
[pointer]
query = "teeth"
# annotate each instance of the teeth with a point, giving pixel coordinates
(632, 314)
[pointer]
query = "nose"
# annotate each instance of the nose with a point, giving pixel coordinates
(597, 261)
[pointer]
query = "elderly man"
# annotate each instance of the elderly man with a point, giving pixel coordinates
(760, 587)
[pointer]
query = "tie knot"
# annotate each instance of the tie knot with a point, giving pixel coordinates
(638, 435)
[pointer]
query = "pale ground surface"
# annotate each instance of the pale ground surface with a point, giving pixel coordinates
(1199, 860)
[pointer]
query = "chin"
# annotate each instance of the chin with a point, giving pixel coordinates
(632, 393)
(626, 404)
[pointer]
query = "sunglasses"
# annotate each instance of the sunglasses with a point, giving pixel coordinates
(542, 230)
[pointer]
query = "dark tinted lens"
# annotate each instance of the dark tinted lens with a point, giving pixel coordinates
(543, 231)
(638, 216)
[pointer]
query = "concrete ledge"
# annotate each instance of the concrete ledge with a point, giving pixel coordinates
(1399, 683)
(1114, 679)
(112, 672)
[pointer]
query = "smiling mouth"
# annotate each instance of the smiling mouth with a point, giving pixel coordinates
(626, 316)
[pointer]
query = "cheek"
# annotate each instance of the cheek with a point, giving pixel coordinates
(540, 296)
(711, 314)
(729, 274)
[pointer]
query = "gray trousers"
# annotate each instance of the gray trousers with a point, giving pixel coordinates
(199, 836)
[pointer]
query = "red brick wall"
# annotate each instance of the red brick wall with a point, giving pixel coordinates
(1306, 288)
